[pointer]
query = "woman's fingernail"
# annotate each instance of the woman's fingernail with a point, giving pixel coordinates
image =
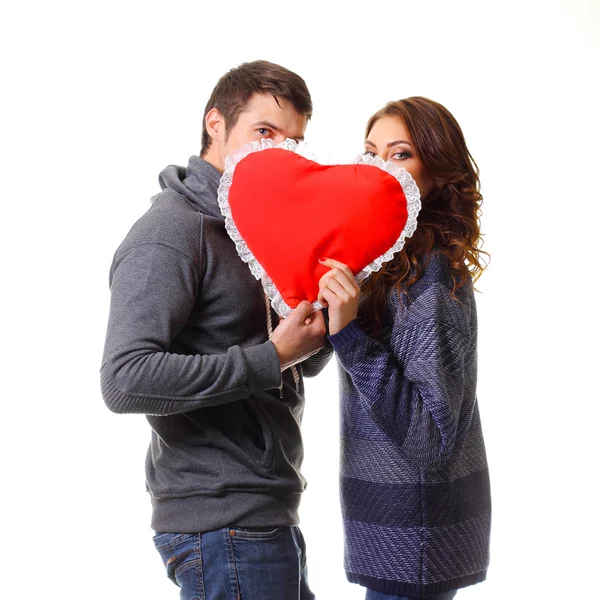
(323, 259)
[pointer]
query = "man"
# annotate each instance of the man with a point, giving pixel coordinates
(188, 345)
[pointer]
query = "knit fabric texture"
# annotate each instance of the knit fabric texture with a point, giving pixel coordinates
(415, 486)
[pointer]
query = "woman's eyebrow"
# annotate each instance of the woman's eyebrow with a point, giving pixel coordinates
(397, 142)
(369, 143)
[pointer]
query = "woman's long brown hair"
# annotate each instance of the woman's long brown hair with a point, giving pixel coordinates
(449, 219)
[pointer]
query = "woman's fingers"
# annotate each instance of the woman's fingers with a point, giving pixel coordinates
(322, 300)
(341, 278)
(343, 274)
(326, 295)
(337, 289)
(330, 262)
(342, 309)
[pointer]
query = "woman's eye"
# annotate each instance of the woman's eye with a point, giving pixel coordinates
(400, 155)
(368, 153)
(264, 131)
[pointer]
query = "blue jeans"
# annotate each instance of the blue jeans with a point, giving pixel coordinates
(371, 595)
(237, 562)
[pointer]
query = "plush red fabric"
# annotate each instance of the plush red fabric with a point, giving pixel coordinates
(291, 211)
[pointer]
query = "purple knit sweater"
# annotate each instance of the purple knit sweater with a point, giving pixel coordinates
(414, 478)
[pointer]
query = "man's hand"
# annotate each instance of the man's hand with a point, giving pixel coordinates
(299, 336)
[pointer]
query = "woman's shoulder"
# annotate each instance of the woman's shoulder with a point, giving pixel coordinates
(434, 297)
(435, 271)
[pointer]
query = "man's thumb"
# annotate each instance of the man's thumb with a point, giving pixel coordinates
(303, 310)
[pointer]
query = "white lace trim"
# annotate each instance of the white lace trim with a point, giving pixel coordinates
(413, 205)
(279, 305)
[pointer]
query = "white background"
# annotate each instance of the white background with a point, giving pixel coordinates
(98, 97)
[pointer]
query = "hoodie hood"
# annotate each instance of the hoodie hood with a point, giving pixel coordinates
(198, 183)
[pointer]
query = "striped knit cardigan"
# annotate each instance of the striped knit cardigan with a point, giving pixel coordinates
(414, 478)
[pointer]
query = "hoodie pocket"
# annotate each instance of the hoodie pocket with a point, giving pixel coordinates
(267, 444)
(242, 430)
(210, 450)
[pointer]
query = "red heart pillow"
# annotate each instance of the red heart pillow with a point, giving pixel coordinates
(285, 211)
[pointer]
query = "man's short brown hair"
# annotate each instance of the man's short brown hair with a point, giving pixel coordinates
(234, 90)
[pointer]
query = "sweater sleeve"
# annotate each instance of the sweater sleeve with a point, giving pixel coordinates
(312, 366)
(153, 291)
(413, 388)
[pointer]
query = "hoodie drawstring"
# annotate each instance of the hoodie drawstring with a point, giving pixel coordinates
(295, 373)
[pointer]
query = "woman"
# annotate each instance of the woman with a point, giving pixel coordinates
(414, 477)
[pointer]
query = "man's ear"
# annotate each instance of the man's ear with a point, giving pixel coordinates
(215, 124)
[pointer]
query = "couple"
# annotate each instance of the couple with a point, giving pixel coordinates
(190, 344)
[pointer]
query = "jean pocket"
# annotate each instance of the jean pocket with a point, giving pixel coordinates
(255, 533)
(179, 552)
(163, 541)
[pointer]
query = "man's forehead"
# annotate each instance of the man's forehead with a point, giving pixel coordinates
(260, 107)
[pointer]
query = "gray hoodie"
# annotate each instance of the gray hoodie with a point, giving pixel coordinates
(187, 344)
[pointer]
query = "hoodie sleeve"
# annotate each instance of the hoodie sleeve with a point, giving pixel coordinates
(312, 366)
(413, 389)
(153, 291)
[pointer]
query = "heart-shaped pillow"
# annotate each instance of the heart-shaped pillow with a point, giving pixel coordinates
(284, 210)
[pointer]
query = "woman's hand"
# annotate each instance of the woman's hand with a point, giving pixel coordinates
(338, 290)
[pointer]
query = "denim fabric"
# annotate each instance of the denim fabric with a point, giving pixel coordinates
(236, 562)
(371, 595)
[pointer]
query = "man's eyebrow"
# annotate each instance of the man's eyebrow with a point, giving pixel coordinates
(266, 124)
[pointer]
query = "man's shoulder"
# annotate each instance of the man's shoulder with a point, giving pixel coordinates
(171, 221)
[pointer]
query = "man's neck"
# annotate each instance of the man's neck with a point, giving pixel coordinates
(211, 156)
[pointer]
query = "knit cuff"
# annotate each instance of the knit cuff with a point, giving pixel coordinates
(264, 370)
(349, 335)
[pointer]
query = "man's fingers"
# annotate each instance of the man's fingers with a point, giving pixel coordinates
(318, 321)
(317, 316)
(303, 310)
